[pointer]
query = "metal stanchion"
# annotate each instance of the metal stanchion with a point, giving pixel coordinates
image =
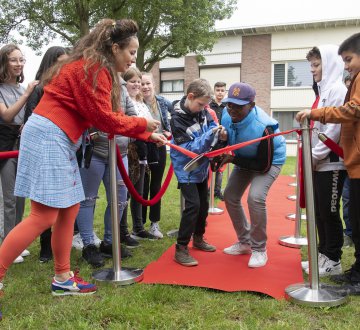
(296, 241)
(312, 293)
(293, 184)
(117, 275)
(293, 216)
(212, 209)
(174, 232)
(291, 197)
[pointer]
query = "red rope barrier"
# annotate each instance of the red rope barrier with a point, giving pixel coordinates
(9, 154)
(332, 145)
(131, 187)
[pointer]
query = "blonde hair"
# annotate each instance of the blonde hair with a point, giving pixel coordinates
(96, 49)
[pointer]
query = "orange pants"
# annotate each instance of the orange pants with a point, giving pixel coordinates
(41, 217)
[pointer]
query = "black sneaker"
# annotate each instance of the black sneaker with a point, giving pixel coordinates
(45, 256)
(144, 234)
(219, 196)
(350, 276)
(106, 250)
(93, 256)
(130, 242)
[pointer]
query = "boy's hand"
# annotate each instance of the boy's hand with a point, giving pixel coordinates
(302, 115)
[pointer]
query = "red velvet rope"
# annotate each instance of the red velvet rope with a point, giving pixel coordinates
(333, 146)
(131, 187)
(301, 178)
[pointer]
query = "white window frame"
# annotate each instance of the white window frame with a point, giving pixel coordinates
(286, 63)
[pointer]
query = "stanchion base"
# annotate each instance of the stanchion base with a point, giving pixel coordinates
(173, 233)
(293, 175)
(292, 197)
(293, 184)
(215, 211)
(292, 216)
(125, 276)
(326, 295)
(293, 242)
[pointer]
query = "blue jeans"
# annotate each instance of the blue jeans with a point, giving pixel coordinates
(91, 178)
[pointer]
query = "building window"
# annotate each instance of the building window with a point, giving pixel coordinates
(169, 86)
(287, 121)
(292, 74)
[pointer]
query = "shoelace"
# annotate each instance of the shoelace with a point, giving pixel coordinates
(77, 278)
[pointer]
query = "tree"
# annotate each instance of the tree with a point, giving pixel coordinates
(171, 28)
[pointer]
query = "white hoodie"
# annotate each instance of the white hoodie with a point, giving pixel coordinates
(332, 92)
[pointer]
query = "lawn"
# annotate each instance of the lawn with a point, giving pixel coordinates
(28, 304)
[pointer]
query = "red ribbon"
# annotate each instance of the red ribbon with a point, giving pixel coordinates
(9, 154)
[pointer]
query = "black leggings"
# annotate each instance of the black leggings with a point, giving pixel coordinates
(152, 184)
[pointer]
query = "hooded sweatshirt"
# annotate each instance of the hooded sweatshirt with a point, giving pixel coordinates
(332, 92)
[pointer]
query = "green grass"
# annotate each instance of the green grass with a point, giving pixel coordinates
(28, 304)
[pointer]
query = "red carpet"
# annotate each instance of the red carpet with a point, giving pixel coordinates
(230, 273)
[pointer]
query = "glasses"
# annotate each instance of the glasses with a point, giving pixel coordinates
(233, 106)
(14, 60)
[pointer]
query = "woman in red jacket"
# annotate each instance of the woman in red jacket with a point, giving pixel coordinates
(81, 92)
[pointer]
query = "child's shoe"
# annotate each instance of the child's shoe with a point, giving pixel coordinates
(258, 259)
(75, 285)
(183, 257)
(200, 244)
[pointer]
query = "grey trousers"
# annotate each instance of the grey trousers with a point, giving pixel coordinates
(253, 233)
(11, 207)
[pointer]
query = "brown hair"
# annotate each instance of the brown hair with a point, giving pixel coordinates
(200, 88)
(96, 49)
(129, 74)
(313, 53)
(5, 51)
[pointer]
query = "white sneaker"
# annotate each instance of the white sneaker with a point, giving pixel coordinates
(18, 260)
(258, 259)
(238, 248)
(77, 242)
(97, 240)
(25, 253)
(329, 267)
(155, 230)
(321, 260)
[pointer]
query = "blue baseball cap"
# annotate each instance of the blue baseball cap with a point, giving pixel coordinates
(240, 93)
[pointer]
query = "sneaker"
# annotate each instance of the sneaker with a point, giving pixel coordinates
(155, 230)
(143, 235)
(348, 242)
(321, 260)
(106, 250)
(75, 285)
(18, 260)
(97, 240)
(25, 253)
(349, 276)
(238, 248)
(330, 267)
(348, 289)
(183, 257)
(93, 256)
(200, 244)
(77, 242)
(219, 196)
(130, 242)
(258, 259)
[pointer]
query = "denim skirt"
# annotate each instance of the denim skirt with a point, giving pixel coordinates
(48, 171)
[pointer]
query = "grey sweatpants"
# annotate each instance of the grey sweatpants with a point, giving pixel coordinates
(11, 207)
(253, 233)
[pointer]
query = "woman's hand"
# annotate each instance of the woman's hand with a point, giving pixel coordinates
(159, 139)
(152, 125)
(302, 115)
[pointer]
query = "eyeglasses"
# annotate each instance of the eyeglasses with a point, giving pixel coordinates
(14, 60)
(233, 106)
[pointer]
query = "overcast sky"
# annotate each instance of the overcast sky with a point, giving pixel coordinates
(255, 13)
